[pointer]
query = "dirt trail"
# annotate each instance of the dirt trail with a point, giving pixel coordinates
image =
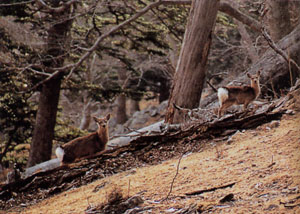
(264, 163)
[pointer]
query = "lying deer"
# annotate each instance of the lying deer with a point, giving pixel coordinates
(86, 145)
(237, 95)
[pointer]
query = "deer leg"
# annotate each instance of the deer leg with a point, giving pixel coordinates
(223, 108)
(245, 106)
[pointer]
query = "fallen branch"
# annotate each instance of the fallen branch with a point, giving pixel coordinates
(198, 192)
(172, 183)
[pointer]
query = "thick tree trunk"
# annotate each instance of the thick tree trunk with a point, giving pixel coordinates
(134, 106)
(121, 116)
(41, 145)
(278, 19)
(190, 71)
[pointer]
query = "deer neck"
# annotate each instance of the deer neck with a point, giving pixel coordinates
(256, 88)
(103, 134)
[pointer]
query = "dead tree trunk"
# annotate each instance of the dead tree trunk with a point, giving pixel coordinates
(190, 71)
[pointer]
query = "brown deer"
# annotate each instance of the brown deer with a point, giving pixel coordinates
(237, 95)
(86, 145)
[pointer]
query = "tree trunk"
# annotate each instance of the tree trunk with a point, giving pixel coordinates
(278, 19)
(41, 145)
(121, 111)
(190, 71)
(121, 116)
(134, 106)
(86, 114)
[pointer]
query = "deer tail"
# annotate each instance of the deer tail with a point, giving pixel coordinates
(60, 153)
(222, 95)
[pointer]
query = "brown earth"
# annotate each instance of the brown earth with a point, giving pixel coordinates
(263, 163)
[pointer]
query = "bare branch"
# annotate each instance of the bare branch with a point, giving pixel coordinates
(277, 49)
(53, 75)
(224, 7)
(235, 13)
(112, 31)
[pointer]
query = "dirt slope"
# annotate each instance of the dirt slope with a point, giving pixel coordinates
(264, 163)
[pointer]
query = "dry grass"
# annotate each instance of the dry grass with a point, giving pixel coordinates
(264, 162)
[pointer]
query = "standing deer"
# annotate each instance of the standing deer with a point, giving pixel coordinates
(237, 95)
(86, 145)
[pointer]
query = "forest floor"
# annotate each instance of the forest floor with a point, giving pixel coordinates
(252, 171)
(261, 166)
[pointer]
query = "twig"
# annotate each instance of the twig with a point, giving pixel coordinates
(272, 162)
(177, 170)
(128, 191)
(290, 68)
(211, 86)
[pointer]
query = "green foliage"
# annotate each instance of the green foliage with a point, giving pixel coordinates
(64, 132)
(16, 115)
(127, 48)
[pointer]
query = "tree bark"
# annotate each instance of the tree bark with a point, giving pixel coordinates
(41, 145)
(190, 71)
(278, 19)
(121, 116)
(134, 106)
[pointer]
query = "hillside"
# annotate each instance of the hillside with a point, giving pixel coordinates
(261, 166)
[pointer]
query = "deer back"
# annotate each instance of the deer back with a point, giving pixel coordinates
(240, 94)
(82, 146)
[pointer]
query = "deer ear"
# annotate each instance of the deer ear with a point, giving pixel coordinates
(107, 117)
(249, 75)
(96, 119)
(258, 72)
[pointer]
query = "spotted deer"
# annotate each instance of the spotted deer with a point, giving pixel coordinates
(86, 145)
(238, 95)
